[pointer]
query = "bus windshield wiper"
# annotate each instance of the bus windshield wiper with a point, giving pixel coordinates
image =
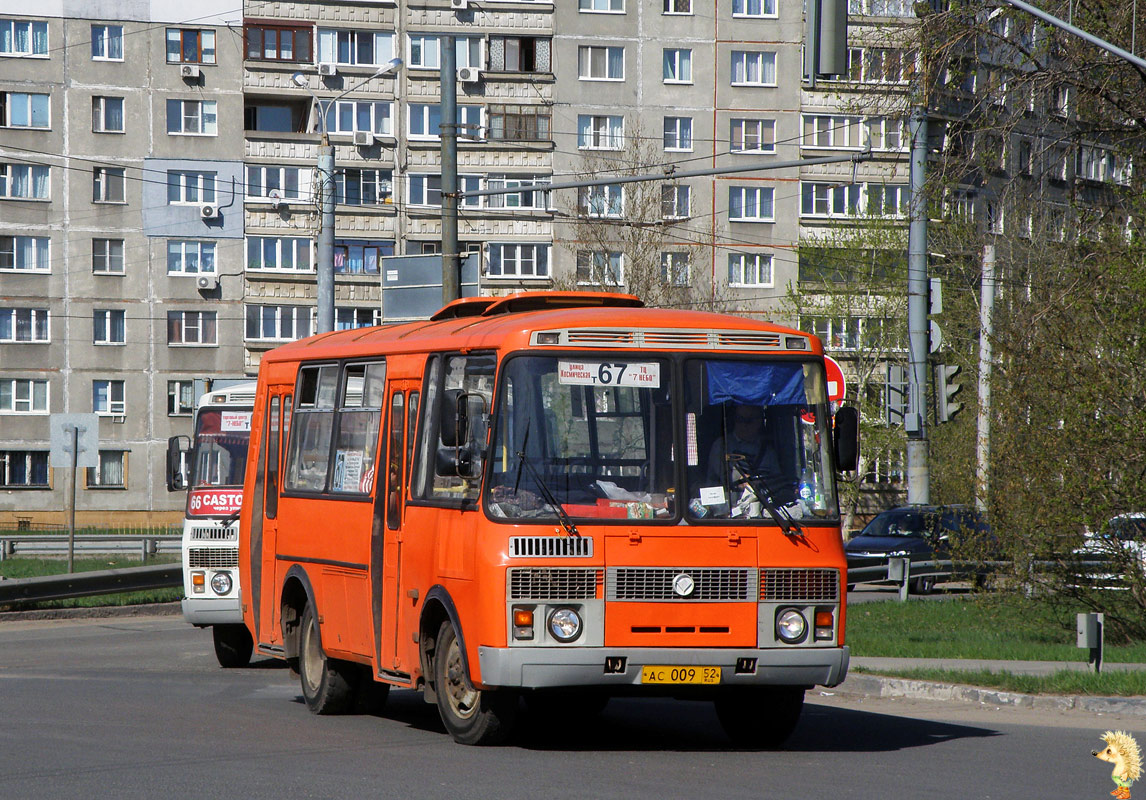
(546, 494)
(230, 518)
(778, 513)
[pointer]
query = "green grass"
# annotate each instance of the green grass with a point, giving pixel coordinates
(1067, 682)
(36, 567)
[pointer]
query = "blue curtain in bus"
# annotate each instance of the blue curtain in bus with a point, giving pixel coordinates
(756, 384)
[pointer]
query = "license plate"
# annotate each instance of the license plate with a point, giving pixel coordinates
(700, 675)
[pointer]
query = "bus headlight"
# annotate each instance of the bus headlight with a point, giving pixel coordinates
(221, 582)
(791, 626)
(564, 624)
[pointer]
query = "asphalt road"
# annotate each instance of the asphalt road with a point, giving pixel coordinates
(137, 708)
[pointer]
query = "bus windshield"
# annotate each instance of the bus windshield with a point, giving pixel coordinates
(220, 449)
(599, 437)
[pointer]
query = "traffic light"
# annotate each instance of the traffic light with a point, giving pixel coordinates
(945, 406)
(826, 39)
(895, 395)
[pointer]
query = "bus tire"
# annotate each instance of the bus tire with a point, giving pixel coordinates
(760, 717)
(471, 716)
(327, 685)
(233, 645)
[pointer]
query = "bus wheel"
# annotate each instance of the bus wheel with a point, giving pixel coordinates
(760, 717)
(471, 716)
(327, 685)
(233, 645)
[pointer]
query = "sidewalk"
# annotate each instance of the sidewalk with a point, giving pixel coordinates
(859, 683)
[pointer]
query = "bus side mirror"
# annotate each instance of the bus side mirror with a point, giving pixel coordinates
(846, 438)
(455, 418)
(454, 462)
(176, 463)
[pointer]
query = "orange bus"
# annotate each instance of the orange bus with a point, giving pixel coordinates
(549, 499)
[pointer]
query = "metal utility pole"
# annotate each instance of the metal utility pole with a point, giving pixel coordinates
(451, 273)
(915, 420)
(983, 427)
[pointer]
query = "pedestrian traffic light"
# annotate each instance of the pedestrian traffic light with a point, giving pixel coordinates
(945, 406)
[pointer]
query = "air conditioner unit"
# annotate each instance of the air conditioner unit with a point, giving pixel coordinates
(459, 5)
(469, 75)
(206, 283)
(209, 211)
(327, 69)
(363, 138)
(189, 71)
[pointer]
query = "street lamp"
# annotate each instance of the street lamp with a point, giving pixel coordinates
(325, 265)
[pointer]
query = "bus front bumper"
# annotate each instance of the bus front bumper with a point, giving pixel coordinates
(212, 610)
(553, 667)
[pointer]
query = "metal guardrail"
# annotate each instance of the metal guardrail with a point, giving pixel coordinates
(85, 584)
(33, 544)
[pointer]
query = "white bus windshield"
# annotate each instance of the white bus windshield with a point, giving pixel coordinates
(220, 456)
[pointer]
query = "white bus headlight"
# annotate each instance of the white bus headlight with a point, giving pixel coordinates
(221, 582)
(564, 624)
(791, 626)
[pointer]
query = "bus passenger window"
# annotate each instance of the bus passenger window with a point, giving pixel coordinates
(308, 460)
(356, 443)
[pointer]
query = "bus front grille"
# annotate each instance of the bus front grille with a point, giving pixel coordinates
(551, 546)
(543, 583)
(212, 557)
(713, 584)
(788, 585)
(215, 533)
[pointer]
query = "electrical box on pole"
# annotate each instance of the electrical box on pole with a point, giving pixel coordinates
(826, 39)
(896, 395)
(945, 390)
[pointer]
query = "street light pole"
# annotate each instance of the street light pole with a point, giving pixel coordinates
(325, 172)
(451, 278)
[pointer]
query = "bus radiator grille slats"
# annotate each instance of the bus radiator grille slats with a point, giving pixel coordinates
(212, 557)
(714, 584)
(670, 339)
(550, 547)
(544, 583)
(788, 585)
(214, 534)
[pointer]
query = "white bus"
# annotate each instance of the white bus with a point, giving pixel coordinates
(212, 471)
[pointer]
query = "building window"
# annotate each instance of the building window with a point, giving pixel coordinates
(600, 63)
(614, 6)
(601, 201)
(677, 65)
(678, 6)
(750, 270)
(191, 328)
(886, 133)
(24, 182)
(361, 48)
(23, 38)
(22, 396)
(829, 199)
(750, 204)
(360, 257)
(107, 42)
(830, 132)
(24, 469)
(363, 187)
(190, 187)
(675, 268)
(753, 8)
(108, 326)
(192, 117)
(753, 68)
(517, 260)
(535, 200)
(180, 398)
(24, 325)
(425, 121)
(600, 267)
(25, 254)
(107, 114)
(107, 398)
(25, 110)
(600, 133)
(424, 51)
(108, 185)
(350, 116)
(279, 323)
(189, 257)
(675, 201)
(346, 319)
(752, 136)
(190, 46)
(518, 123)
(883, 65)
(887, 200)
(107, 256)
(519, 54)
(283, 254)
(678, 133)
(426, 190)
(291, 183)
(274, 43)
(110, 471)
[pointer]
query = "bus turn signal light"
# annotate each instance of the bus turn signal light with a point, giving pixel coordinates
(198, 582)
(522, 623)
(825, 622)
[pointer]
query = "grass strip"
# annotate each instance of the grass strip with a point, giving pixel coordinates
(1065, 682)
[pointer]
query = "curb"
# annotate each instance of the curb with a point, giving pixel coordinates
(876, 686)
(96, 612)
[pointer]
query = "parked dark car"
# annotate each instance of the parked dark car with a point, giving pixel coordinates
(928, 536)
